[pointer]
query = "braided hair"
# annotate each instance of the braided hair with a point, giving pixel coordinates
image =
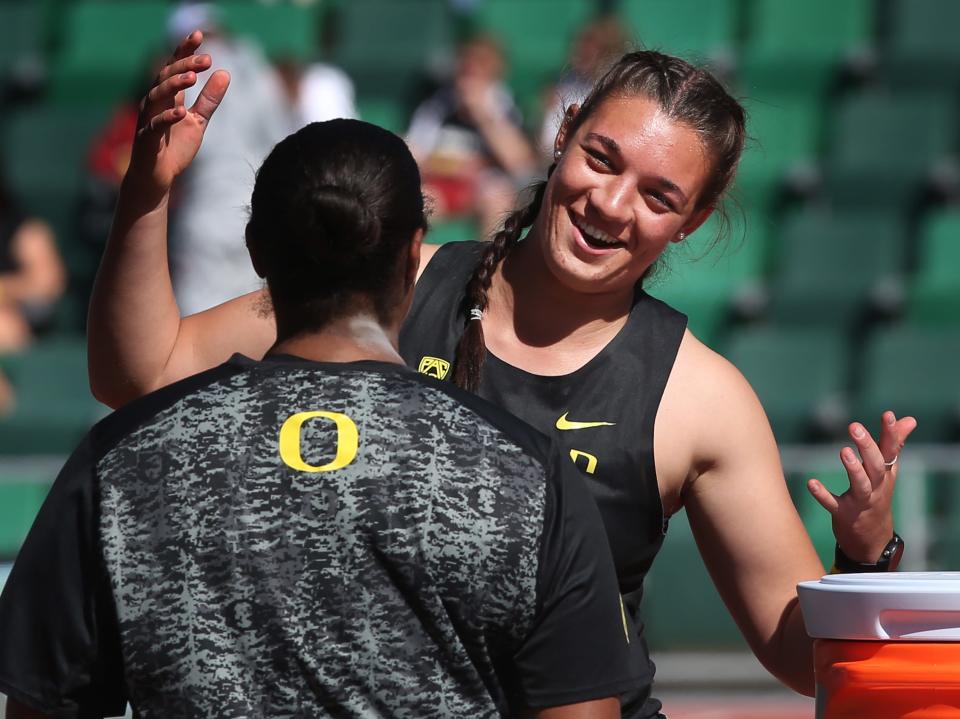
(684, 93)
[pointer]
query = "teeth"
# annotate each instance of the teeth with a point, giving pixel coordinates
(595, 233)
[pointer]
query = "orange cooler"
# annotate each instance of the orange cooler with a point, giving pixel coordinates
(887, 644)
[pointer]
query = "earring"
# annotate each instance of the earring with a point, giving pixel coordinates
(682, 236)
(557, 154)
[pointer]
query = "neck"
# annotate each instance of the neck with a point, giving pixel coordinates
(348, 339)
(543, 311)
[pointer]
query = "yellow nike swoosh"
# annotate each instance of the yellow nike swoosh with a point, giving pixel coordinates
(564, 423)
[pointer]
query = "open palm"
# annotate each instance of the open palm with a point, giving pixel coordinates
(169, 134)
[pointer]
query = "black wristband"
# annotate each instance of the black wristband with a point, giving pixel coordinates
(888, 562)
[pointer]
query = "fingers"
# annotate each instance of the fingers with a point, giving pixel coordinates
(161, 95)
(824, 497)
(211, 95)
(164, 119)
(873, 458)
(195, 63)
(187, 46)
(861, 484)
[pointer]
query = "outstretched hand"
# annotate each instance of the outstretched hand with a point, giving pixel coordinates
(168, 134)
(863, 515)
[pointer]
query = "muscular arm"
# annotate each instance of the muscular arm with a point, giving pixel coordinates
(136, 339)
(748, 531)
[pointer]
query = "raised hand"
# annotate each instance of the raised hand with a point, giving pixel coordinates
(863, 515)
(169, 134)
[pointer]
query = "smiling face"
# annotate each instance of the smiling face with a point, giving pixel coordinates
(627, 184)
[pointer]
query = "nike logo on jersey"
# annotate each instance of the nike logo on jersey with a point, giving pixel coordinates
(564, 423)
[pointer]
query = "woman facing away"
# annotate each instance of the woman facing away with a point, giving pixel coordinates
(556, 329)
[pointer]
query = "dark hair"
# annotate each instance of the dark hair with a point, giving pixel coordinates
(333, 207)
(685, 93)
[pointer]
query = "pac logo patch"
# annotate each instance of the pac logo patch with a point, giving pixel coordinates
(434, 367)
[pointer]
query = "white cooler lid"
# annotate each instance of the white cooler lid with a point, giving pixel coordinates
(898, 606)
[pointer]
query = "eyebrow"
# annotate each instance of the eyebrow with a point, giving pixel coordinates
(611, 145)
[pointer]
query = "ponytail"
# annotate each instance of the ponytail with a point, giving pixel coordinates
(471, 349)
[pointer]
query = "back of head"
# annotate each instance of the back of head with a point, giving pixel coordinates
(333, 207)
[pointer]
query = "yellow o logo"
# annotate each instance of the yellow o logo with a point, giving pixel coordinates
(348, 440)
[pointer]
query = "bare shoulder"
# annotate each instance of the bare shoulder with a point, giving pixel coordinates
(426, 254)
(708, 411)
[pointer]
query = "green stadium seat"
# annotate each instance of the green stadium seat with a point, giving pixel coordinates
(801, 45)
(536, 35)
(800, 376)
(911, 371)
(54, 406)
(682, 610)
(387, 46)
(710, 283)
(452, 230)
(106, 48)
(695, 30)
(922, 49)
(282, 30)
(934, 297)
(837, 267)
(884, 147)
(385, 112)
(20, 500)
(785, 133)
(23, 37)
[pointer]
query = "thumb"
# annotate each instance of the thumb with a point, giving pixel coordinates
(211, 95)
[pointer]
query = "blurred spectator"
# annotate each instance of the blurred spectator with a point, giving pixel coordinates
(469, 140)
(598, 44)
(208, 257)
(320, 91)
(32, 279)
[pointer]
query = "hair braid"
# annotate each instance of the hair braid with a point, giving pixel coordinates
(471, 350)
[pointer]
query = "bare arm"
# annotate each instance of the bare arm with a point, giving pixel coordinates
(600, 709)
(748, 531)
(16, 710)
(136, 338)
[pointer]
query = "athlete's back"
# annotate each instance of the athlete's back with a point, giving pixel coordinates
(289, 538)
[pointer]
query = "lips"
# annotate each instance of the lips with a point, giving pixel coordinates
(592, 238)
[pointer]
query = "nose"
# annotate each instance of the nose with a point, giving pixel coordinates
(613, 200)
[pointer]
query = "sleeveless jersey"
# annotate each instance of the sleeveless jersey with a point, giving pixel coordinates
(601, 415)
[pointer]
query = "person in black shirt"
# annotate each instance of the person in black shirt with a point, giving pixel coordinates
(324, 532)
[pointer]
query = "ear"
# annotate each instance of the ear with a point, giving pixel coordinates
(255, 259)
(413, 260)
(560, 143)
(691, 225)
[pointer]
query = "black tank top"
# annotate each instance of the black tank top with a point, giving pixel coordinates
(602, 414)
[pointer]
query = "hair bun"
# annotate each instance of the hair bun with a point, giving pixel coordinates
(337, 216)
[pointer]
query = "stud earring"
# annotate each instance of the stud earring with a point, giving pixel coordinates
(682, 236)
(557, 154)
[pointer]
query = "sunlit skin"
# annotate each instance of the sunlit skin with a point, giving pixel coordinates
(632, 172)
(629, 171)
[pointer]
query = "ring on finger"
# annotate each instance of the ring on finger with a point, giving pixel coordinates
(892, 462)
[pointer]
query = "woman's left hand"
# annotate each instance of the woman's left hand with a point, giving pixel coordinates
(863, 515)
